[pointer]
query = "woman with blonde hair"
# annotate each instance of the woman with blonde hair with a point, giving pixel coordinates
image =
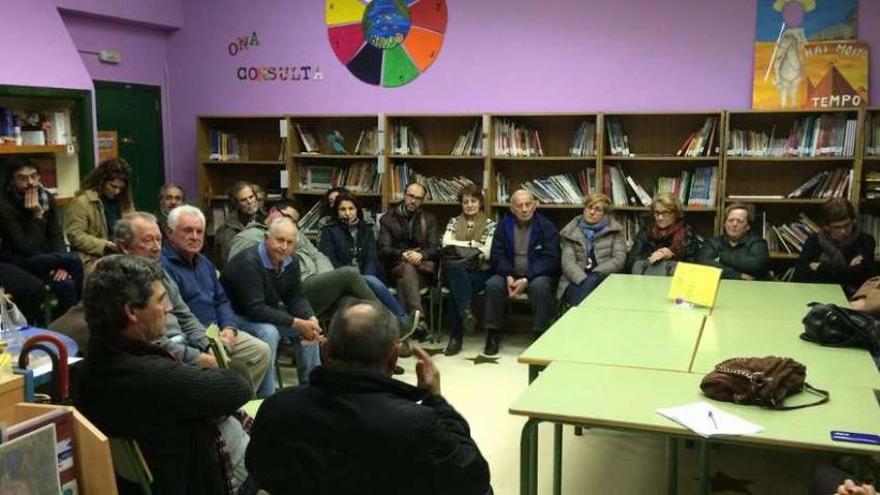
(668, 240)
(103, 198)
(593, 247)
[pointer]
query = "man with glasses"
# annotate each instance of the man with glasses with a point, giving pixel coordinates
(32, 240)
(526, 260)
(839, 253)
(409, 244)
(246, 209)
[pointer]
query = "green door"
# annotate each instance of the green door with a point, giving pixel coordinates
(134, 112)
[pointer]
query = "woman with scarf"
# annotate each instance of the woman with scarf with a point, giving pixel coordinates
(666, 241)
(592, 248)
(741, 254)
(839, 253)
(466, 244)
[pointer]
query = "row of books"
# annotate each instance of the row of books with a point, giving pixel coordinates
(697, 187)
(358, 177)
(471, 143)
(789, 237)
(702, 141)
(406, 141)
(308, 140)
(567, 189)
(871, 189)
(514, 139)
(872, 135)
(811, 135)
(833, 183)
(368, 142)
(38, 128)
(225, 146)
(618, 143)
(583, 143)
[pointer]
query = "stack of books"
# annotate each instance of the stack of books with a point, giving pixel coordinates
(406, 141)
(872, 185)
(834, 183)
(790, 237)
(470, 144)
(513, 139)
(368, 142)
(561, 189)
(811, 135)
(226, 146)
(308, 140)
(441, 189)
(358, 177)
(618, 143)
(702, 142)
(583, 143)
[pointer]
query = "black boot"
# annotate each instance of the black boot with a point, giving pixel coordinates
(469, 321)
(492, 341)
(453, 347)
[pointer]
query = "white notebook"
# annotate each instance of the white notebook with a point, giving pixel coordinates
(706, 420)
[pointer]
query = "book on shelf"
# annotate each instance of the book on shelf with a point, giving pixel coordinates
(871, 188)
(618, 142)
(358, 177)
(830, 134)
(406, 141)
(632, 224)
(225, 146)
(560, 189)
(436, 188)
(368, 142)
(470, 143)
(308, 139)
(833, 183)
(872, 134)
(624, 190)
(701, 142)
(697, 187)
(282, 150)
(309, 221)
(514, 139)
(789, 237)
(870, 225)
(583, 142)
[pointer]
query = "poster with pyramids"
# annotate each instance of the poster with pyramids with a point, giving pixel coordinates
(807, 56)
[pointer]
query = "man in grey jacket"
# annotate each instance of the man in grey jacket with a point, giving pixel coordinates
(322, 284)
(138, 234)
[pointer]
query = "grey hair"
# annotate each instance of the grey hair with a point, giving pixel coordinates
(523, 191)
(170, 185)
(117, 280)
(362, 338)
(123, 233)
(175, 214)
(279, 222)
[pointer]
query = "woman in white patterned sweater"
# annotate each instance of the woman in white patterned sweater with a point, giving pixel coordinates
(466, 244)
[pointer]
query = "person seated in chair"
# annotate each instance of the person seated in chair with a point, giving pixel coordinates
(170, 197)
(739, 253)
(31, 235)
(525, 260)
(246, 210)
(668, 240)
(840, 253)
(592, 248)
(132, 389)
(409, 247)
(355, 430)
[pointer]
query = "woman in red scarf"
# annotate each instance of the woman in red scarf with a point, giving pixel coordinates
(666, 241)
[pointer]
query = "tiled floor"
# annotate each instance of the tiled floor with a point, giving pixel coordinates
(600, 461)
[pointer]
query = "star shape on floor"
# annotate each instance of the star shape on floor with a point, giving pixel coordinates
(721, 482)
(480, 359)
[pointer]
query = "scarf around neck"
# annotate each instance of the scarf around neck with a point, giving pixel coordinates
(474, 232)
(673, 237)
(590, 230)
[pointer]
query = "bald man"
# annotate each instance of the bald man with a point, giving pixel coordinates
(525, 260)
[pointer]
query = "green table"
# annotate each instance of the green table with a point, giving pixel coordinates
(728, 337)
(663, 340)
(627, 398)
(636, 293)
(782, 300)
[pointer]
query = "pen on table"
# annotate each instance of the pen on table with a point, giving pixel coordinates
(712, 418)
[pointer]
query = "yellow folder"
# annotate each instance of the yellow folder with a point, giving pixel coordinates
(696, 284)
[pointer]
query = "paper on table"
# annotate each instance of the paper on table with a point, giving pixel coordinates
(698, 419)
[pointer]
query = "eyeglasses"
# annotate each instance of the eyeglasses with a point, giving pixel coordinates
(595, 209)
(663, 213)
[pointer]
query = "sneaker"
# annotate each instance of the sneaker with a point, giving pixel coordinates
(469, 321)
(408, 325)
(405, 349)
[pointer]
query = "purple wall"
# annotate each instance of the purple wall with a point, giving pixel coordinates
(163, 13)
(499, 55)
(39, 51)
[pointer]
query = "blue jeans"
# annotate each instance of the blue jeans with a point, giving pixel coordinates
(463, 284)
(574, 294)
(308, 356)
(385, 296)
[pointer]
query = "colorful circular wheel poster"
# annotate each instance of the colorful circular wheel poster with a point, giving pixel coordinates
(386, 42)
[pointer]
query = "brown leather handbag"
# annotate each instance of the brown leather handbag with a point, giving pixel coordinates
(765, 381)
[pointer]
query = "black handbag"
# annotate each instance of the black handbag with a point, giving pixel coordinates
(833, 326)
(468, 256)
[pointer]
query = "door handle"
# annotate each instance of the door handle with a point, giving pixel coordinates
(127, 140)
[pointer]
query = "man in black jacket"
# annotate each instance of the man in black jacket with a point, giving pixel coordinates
(132, 389)
(410, 246)
(31, 234)
(355, 430)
